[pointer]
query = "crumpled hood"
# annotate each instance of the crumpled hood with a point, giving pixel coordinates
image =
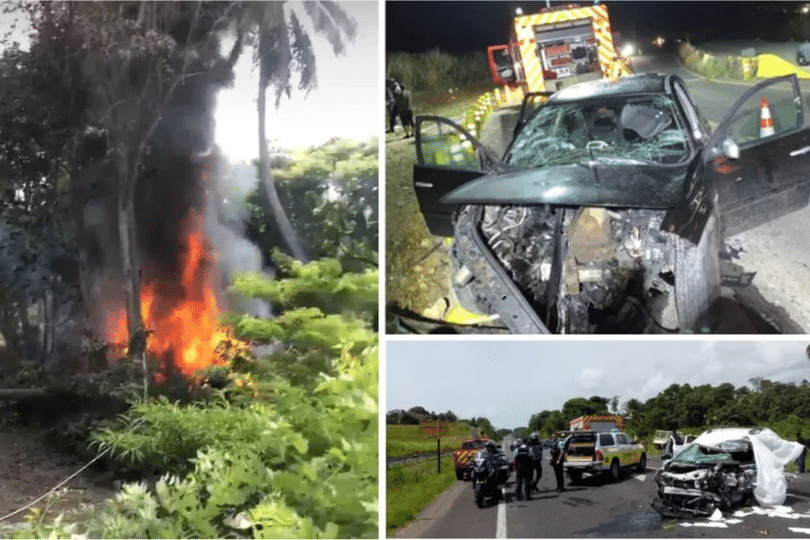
(771, 453)
(623, 184)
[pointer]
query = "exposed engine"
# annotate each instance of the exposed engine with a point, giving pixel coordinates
(583, 269)
(691, 492)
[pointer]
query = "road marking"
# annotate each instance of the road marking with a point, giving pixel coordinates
(500, 528)
(641, 477)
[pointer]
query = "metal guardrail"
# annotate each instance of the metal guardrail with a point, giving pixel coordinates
(413, 458)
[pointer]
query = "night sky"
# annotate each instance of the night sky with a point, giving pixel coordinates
(467, 27)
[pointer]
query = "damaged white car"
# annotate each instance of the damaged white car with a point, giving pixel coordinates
(722, 469)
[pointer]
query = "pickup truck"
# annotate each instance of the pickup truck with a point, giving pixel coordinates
(464, 456)
(596, 452)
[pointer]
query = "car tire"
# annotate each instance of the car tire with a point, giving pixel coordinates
(575, 475)
(459, 475)
(614, 469)
(642, 464)
(697, 275)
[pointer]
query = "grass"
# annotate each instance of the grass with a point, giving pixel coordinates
(403, 440)
(412, 283)
(410, 488)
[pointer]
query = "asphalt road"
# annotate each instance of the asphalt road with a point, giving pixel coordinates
(777, 254)
(598, 507)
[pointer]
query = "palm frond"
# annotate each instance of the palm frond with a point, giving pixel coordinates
(303, 55)
(331, 21)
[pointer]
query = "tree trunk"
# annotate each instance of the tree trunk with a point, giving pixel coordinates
(288, 234)
(128, 236)
(79, 198)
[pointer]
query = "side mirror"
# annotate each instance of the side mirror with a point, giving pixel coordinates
(730, 149)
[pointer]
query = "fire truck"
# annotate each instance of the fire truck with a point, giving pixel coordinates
(597, 422)
(557, 47)
(463, 457)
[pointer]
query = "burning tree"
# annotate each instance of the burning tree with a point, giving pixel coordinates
(144, 77)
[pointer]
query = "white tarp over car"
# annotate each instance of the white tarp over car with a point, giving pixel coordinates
(771, 454)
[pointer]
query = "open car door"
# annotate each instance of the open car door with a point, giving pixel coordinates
(759, 156)
(447, 156)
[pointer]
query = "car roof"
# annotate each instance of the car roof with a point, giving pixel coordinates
(644, 83)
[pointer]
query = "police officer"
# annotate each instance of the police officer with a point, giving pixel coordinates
(557, 453)
(536, 451)
(391, 86)
(524, 466)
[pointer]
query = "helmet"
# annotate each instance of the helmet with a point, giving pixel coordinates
(534, 436)
(518, 442)
(491, 446)
(523, 449)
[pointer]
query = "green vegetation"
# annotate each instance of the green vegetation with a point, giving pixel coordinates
(286, 448)
(437, 70)
(713, 67)
(330, 193)
(402, 440)
(782, 407)
(410, 488)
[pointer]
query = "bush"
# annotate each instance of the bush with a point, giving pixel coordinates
(287, 449)
(437, 70)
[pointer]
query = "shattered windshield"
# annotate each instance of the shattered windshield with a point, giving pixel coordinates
(699, 454)
(622, 130)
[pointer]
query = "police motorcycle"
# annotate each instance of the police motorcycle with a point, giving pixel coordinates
(490, 472)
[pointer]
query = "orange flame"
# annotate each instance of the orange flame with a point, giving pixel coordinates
(184, 332)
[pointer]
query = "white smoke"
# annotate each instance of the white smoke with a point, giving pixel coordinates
(226, 213)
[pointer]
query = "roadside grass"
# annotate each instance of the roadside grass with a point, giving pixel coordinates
(403, 439)
(409, 488)
(413, 283)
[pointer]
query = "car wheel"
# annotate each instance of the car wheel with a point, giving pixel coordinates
(459, 475)
(575, 475)
(642, 464)
(614, 469)
(697, 275)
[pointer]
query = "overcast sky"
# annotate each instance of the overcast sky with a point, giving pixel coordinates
(508, 381)
(346, 102)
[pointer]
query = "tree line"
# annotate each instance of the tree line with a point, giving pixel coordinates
(783, 407)
(418, 414)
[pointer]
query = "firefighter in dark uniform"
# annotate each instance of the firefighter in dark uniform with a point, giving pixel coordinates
(557, 459)
(524, 467)
(536, 451)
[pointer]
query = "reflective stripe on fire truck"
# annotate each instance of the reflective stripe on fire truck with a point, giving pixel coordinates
(464, 456)
(524, 29)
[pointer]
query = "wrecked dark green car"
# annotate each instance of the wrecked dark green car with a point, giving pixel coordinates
(607, 212)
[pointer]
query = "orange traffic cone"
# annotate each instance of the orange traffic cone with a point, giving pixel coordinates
(765, 121)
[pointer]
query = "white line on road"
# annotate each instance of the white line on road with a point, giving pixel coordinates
(641, 477)
(500, 528)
